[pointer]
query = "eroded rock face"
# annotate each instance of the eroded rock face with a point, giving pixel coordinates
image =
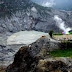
(52, 66)
(57, 64)
(21, 15)
(44, 43)
(7, 52)
(36, 49)
(24, 61)
(34, 58)
(39, 48)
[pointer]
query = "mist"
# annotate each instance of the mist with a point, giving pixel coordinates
(61, 24)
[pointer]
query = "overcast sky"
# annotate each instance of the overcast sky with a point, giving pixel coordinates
(47, 3)
(54, 3)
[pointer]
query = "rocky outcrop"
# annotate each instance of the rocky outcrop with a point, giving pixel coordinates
(55, 65)
(37, 48)
(43, 43)
(24, 61)
(7, 53)
(40, 48)
(35, 58)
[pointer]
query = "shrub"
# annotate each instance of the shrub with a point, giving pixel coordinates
(70, 32)
(51, 33)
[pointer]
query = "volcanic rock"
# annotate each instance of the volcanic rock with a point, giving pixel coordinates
(25, 62)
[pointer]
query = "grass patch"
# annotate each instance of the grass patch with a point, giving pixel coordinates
(70, 32)
(60, 33)
(57, 34)
(66, 42)
(61, 53)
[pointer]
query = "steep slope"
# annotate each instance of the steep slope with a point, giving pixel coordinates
(20, 15)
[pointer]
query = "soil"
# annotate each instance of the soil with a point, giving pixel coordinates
(62, 36)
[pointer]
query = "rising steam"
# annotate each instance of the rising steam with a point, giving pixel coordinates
(61, 24)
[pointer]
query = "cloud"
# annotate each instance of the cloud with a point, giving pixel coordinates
(48, 3)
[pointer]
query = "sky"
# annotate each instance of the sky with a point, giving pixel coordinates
(59, 4)
(46, 3)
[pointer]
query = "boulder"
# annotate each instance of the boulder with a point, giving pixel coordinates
(24, 61)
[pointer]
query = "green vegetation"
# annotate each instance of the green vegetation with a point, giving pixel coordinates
(66, 42)
(61, 53)
(70, 32)
(57, 34)
(60, 33)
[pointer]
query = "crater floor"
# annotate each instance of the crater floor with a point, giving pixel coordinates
(25, 37)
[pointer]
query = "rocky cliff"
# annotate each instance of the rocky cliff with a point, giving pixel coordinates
(25, 62)
(35, 58)
(20, 15)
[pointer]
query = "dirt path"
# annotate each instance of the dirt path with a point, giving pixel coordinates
(62, 36)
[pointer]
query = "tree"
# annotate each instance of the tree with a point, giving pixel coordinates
(50, 33)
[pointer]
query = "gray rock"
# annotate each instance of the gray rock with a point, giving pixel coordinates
(42, 19)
